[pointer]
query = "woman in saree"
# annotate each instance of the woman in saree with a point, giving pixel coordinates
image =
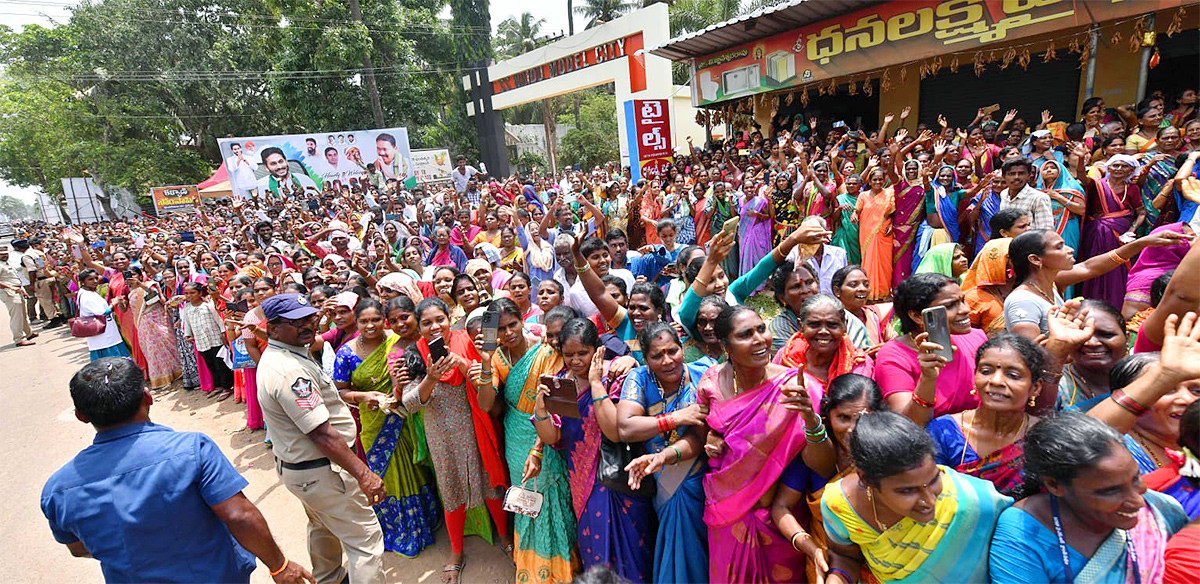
(845, 230)
(785, 210)
(118, 291)
(147, 309)
(1066, 200)
(986, 285)
(989, 441)
(752, 432)
(902, 516)
(410, 514)
(173, 287)
(754, 230)
(650, 211)
(874, 213)
(1180, 479)
(1151, 264)
(1093, 519)
(907, 216)
(821, 349)
(1159, 167)
(665, 389)
(724, 206)
(1115, 212)
(614, 529)
(947, 259)
(852, 287)
(817, 190)
(982, 208)
(512, 259)
(848, 397)
(461, 439)
(981, 153)
(544, 544)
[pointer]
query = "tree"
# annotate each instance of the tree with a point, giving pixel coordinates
(601, 11)
(518, 35)
(15, 208)
(594, 140)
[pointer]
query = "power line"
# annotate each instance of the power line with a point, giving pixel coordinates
(216, 17)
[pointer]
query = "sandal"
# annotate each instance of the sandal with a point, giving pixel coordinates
(508, 551)
(453, 568)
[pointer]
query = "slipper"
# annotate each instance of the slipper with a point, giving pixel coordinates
(455, 568)
(32, 336)
(26, 343)
(225, 395)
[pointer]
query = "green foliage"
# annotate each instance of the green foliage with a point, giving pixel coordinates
(527, 160)
(594, 140)
(598, 11)
(15, 208)
(517, 35)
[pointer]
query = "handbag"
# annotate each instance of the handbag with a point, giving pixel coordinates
(87, 326)
(610, 471)
(518, 499)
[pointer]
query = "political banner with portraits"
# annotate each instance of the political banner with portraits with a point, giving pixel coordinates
(295, 163)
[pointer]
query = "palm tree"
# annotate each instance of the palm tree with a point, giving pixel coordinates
(601, 11)
(518, 35)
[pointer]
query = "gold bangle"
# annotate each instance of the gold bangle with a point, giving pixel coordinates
(281, 568)
(581, 269)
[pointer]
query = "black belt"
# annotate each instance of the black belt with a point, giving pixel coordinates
(306, 465)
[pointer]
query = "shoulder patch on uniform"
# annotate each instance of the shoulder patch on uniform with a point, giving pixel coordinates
(306, 398)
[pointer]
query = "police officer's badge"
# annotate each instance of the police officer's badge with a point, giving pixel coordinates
(306, 398)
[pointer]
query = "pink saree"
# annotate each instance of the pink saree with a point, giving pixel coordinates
(761, 438)
(910, 211)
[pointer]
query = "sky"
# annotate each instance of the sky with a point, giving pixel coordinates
(19, 13)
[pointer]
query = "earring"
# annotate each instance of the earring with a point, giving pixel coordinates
(1032, 399)
(869, 497)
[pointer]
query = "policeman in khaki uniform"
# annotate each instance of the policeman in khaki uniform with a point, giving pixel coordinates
(311, 434)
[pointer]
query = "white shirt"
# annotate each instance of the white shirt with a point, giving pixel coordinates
(833, 258)
(576, 296)
(14, 260)
(460, 177)
(242, 172)
(91, 304)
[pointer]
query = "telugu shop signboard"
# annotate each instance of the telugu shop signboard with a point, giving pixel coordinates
(890, 34)
(181, 199)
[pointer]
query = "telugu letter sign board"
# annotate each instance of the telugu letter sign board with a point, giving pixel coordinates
(180, 199)
(650, 148)
(891, 34)
(629, 46)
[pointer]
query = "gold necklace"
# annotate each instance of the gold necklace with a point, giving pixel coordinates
(875, 512)
(1040, 290)
(1145, 443)
(967, 437)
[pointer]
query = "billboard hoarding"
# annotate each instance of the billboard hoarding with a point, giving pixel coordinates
(177, 199)
(432, 167)
(296, 163)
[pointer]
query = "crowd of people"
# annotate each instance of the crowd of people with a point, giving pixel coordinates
(807, 353)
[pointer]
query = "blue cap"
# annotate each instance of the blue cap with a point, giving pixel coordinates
(290, 306)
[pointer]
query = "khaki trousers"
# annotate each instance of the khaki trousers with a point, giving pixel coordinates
(338, 519)
(18, 322)
(44, 290)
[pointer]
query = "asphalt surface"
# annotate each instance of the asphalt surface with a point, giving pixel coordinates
(40, 434)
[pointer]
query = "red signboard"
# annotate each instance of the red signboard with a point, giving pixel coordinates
(652, 128)
(893, 33)
(629, 46)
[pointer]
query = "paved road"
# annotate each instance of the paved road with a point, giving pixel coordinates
(40, 434)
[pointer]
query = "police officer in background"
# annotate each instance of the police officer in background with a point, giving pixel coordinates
(311, 434)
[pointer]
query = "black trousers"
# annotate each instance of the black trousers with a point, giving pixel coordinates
(221, 375)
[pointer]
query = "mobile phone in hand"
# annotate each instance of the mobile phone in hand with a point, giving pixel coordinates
(938, 328)
(491, 326)
(437, 350)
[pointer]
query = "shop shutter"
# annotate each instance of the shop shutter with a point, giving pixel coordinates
(1053, 86)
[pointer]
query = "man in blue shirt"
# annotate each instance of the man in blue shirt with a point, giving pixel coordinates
(152, 504)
